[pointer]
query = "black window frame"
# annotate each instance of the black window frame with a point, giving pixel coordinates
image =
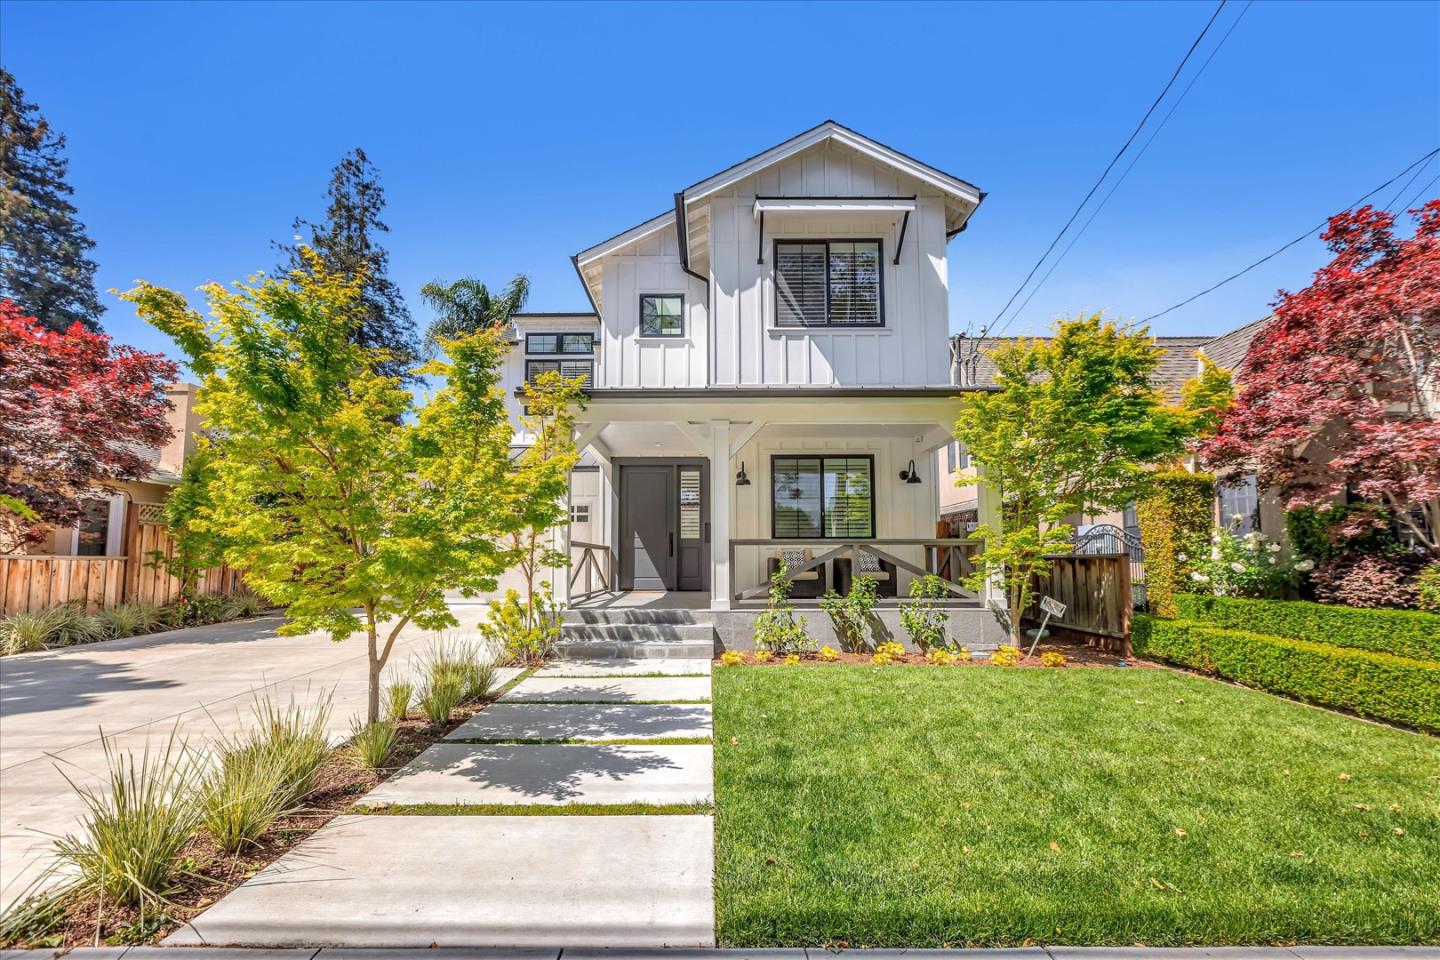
(821, 458)
(640, 316)
(556, 361)
(829, 324)
(560, 336)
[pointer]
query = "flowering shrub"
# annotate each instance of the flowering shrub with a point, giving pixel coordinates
(1052, 658)
(792, 659)
(763, 656)
(829, 654)
(1006, 656)
(940, 656)
(527, 634)
(1385, 580)
(731, 658)
(881, 659)
(895, 651)
(1231, 566)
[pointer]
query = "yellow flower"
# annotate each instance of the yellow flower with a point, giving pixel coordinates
(881, 659)
(1051, 658)
(763, 656)
(792, 659)
(828, 654)
(731, 658)
(1006, 656)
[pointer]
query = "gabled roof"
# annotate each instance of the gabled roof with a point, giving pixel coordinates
(962, 197)
(830, 130)
(1228, 349)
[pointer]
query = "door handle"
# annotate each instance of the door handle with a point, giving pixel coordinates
(672, 545)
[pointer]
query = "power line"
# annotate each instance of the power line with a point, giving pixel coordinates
(1410, 204)
(1413, 177)
(1126, 172)
(1304, 236)
(1114, 160)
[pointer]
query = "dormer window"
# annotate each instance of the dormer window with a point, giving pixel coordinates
(828, 283)
(662, 315)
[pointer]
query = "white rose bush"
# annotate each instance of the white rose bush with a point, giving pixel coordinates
(1246, 565)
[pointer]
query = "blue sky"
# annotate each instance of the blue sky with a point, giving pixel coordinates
(509, 137)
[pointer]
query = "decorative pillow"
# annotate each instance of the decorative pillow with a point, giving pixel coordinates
(868, 563)
(793, 559)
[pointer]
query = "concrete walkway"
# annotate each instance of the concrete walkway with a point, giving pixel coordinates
(202, 680)
(444, 877)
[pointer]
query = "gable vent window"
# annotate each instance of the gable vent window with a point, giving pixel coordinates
(828, 283)
(568, 369)
(662, 315)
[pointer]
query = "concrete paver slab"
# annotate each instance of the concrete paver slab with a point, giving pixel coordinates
(585, 721)
(442, 953)
(1170, 953)
(506, 881)
(550, 774)
(619, 667)
(221, 953)
(609, 690)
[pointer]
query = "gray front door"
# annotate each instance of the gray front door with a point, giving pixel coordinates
(647, 528)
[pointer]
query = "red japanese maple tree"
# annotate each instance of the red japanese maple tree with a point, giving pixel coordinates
(76, 414)
(1342, 389)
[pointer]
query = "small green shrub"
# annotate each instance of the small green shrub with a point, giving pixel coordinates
(440, 695)
(130, 619)
(208, 608)
(1344, 529)
(247, 791)
(469, 664)
(1174, 517)
(1404, 633)
(30, 631)
(77, 626)
(853, 614)
(923, 618)
(1379, 685)
(129, 842)
(779, 628)
(398, 697)
(293, 734)
(240, 606)
(526, 635)
(1427, 589)
(371, 743)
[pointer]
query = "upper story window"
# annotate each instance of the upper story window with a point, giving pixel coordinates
(956, 456)
(662, 315)
(828, 283)
(559, 343)
(1238, 499)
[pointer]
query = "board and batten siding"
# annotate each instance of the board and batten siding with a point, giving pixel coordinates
(910, 350)
(652, 265)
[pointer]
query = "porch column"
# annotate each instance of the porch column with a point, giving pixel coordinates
(720, 495)
(560, 541)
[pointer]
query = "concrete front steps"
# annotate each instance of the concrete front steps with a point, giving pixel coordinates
(630, 634)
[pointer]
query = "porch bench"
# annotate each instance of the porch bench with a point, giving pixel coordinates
(871, 566)
(807, 585)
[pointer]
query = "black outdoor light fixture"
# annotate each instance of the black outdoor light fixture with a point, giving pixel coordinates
(910, 474)
(740, 479)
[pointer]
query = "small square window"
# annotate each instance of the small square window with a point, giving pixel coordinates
(662, 315)
(580, 513)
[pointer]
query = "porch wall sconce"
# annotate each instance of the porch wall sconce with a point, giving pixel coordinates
(910, 474)
(740, 479)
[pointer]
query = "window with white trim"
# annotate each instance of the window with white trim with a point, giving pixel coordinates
(828, 283)
(1239, 503)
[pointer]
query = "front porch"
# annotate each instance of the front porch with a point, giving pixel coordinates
(698, 497)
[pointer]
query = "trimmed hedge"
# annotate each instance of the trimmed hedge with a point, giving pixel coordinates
(1404, 633)
(1378, 685)
(1174, 517)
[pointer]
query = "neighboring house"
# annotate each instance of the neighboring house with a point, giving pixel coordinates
(768, 373)
(108, 557)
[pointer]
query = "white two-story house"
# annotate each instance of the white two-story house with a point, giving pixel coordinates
(769, 376)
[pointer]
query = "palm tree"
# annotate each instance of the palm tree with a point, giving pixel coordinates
(467, 305)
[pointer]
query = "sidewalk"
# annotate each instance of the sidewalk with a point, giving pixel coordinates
(517, 830)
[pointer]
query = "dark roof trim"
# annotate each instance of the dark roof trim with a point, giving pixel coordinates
(575, 262)
(555, 313)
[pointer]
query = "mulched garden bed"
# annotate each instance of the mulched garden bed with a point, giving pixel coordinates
(1076, 655)
(208, 873)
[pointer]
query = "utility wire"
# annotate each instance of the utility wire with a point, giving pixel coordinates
(1413, 177)
(1114, 160)
(1304, 236)
(1126, 172)
(1410, 204)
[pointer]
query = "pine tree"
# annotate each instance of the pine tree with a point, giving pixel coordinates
(44, 265)
(347, 244)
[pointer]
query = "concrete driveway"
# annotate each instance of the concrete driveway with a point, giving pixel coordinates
(53, 706)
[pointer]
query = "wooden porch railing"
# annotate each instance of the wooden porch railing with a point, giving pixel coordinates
(949, 559)
(596, 563)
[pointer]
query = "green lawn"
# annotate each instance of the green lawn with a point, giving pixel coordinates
(912, 806)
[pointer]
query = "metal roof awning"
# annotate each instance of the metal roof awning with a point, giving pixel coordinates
(881, 212)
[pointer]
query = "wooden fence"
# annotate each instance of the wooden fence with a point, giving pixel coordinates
(1095, 589)
(32, 583)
